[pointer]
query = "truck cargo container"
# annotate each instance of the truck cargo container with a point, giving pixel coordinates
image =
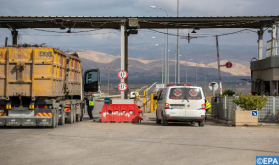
(43, 86)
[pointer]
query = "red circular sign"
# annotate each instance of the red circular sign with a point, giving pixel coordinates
(228, 64)
(122, 74)
(122, 86)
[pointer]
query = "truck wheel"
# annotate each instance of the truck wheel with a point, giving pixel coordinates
(81, 116)
(70, 117)
(164, 121)
(201, 123)
(77, 118)
(54, 119)
(74, 116)
(62, 119)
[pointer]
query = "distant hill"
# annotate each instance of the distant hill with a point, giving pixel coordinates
(152, 69)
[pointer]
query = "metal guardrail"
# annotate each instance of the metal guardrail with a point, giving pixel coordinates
(223, 107)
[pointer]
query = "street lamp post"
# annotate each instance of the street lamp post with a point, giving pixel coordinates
(167, 48)
(178, 54)
(163, 62)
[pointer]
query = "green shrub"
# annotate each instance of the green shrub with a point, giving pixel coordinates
(228, 92)
(250, 102)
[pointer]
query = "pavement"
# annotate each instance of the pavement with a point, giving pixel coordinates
(91, 142)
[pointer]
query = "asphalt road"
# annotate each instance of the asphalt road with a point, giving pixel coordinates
(89, 142)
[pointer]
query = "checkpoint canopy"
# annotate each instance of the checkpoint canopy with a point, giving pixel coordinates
(23, 22)
(128, 25)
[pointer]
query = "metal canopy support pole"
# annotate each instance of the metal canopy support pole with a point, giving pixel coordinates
(168, 67)
(163, 63)
(178, 57)
(274, 39)
(260, 44)
(165, 60)
(14, 34)
(6, 41)
(126, 64)
(218, 60)
(123, 29)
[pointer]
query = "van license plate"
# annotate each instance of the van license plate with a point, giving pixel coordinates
(177, 107)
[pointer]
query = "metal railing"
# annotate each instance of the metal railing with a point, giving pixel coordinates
(223, 107)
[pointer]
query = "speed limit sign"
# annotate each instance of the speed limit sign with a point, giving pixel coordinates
(122, 74)
(122, 86)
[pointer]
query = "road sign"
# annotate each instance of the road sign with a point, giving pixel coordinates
(228, 64)
(122, 74)
(254, 113)
(214, 85)
(122, 86)
(159, 86)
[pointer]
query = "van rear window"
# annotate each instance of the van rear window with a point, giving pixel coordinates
(185, 93)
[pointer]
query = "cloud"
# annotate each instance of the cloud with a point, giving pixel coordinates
(136, 8)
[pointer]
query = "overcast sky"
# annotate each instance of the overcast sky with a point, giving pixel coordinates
(133, 8)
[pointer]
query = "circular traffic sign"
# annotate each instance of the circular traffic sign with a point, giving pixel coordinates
(214, 85)
(122, 74)
(122, 86)
(228, 64)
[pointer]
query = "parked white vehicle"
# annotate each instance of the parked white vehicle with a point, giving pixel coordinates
(132, 95)
(180, 103)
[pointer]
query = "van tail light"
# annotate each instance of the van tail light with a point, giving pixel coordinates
(203, 106)
(2, 107)
(42, 106)
(167, 106)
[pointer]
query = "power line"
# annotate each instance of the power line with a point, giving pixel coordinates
(76, 34)
(208, 35)
(31, 36)
(84, 31)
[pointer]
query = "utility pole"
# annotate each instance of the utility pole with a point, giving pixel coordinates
(205, 78)
(186, 72)
(108, 76)
(218, 60)
(196, 73)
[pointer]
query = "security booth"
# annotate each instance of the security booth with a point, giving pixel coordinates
(265, 76)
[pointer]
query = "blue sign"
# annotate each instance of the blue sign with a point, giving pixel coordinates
(267, 160)
(254, 113)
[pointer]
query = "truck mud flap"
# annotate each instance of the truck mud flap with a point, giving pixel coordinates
(2, 122)
(13, 121)
(28, 122)
(44, 121)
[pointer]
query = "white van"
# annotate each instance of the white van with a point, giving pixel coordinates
(180, 103)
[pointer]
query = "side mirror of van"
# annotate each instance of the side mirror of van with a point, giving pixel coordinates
(155, 98)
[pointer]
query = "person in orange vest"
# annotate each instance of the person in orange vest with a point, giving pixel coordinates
(207, 106)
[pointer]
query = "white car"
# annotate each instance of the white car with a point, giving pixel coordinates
(180, 103)
(132, 95)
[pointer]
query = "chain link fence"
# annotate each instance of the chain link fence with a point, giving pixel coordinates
(223, 107)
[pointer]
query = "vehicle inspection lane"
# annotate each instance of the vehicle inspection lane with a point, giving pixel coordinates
(91, 142)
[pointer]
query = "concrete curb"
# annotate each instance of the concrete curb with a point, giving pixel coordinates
(229, 123)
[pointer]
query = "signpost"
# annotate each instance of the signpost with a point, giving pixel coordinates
(213, 86)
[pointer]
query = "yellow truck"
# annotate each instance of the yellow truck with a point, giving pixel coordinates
(43, 86)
